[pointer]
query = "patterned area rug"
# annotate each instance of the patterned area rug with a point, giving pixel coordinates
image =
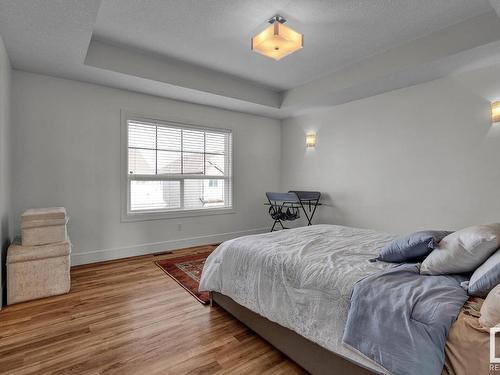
(186, 271)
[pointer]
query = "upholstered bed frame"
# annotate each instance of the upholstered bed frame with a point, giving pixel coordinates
(310, 356)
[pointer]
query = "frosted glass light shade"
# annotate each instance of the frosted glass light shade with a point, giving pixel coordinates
(311, 140)
(495, 112)
(277, 41)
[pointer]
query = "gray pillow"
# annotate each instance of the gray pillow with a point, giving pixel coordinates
(486, 277)
(412, 247)
(463, 251)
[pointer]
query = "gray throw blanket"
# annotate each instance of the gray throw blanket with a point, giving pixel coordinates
(400, 319)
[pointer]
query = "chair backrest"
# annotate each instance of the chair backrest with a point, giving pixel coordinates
(289, 197)
(307, 195)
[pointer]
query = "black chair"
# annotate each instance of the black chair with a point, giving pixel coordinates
(309, 199)
(283, 207)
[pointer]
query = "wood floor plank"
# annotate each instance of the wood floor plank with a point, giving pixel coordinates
(128, 317)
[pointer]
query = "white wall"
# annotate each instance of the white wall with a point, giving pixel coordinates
(66, 152)
(5, 196)
(421, 157)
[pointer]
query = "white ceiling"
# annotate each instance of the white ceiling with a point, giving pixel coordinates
(198, 51)
(216, 33)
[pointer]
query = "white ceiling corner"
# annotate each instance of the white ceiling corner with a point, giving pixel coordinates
(47, 36)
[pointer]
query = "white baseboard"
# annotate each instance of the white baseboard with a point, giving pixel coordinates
(151, 248)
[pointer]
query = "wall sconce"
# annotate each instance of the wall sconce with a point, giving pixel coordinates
(495, 112)
(311, 140)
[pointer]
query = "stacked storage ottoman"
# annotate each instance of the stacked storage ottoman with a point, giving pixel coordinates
(38, 265)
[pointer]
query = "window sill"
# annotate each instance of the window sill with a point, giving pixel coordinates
(146, 216)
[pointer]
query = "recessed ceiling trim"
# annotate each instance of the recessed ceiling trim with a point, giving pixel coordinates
(431, 57)
(177, 73)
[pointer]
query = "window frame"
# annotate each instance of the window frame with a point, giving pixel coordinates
(126, 214)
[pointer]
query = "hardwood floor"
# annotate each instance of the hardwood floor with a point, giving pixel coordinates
(128, 317)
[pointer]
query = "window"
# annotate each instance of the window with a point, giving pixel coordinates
(175, 168)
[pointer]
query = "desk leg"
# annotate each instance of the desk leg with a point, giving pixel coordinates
(305, 213)
(314, 211)
(309, 218)
(272, 229)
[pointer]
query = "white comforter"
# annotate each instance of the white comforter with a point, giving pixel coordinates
(299, 278)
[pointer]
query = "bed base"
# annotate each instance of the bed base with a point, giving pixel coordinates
(310, 356)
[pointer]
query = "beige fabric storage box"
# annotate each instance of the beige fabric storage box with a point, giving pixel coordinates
(43, 226)
(37, 271)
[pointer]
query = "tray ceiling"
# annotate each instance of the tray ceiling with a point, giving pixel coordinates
(216, 34)
(199, 51)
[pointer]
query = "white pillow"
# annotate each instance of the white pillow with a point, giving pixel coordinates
(490, 310)
(462, 251)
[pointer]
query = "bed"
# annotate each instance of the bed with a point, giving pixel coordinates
(294, 288)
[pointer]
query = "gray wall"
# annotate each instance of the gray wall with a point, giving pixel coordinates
(421, 157)
(5, 197)
(66, 152)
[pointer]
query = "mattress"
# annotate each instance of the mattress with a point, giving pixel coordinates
(300, 278)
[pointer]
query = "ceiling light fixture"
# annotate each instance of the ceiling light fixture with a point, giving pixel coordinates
(277, 40)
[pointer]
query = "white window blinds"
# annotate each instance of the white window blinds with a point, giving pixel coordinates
(177, 168)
